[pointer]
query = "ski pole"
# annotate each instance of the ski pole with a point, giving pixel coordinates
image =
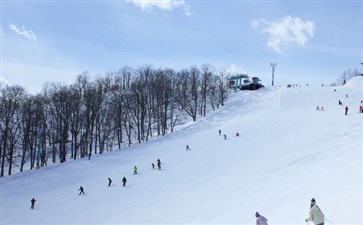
(329, 221)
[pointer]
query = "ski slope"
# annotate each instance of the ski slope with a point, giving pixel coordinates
(286, 154)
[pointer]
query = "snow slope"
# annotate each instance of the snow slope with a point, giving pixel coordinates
(286, 154)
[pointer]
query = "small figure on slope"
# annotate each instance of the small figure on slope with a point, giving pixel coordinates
(109, 182)
(346, 110)
(260, 220)
(158, 164)
(124, 180)
(33, 203)
(135, 170)
(187, 148)
(237, 134)
(317, 108)
(225, 137)
(315, 214)
(81, 190)
(220, 132)
(153, 165)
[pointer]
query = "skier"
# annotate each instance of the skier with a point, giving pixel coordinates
(124, 180)
(153, 165)
(315, 214)
(225, 137)
(187, 148)
(109, 182)
(361, 109)
(135, 170)
(89, 156)
(159, 164)
(317, 108)
(81, 190)
(340, 102)
(346, 110)
(322, 108)
(260, 220)
(33, 203)
(220, 132)
(237, 134)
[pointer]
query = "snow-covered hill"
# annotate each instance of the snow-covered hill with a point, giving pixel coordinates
(286, 154)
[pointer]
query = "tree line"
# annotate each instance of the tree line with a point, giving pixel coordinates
(97, 114)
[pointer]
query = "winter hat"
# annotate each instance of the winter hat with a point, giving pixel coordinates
(257, 214)
(312, 202)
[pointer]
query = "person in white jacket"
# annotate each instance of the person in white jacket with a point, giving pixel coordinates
(260, 220)
(315, 214)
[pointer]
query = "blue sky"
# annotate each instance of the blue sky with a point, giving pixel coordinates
(311, 41)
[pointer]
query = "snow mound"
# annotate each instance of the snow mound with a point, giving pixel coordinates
(355, 82)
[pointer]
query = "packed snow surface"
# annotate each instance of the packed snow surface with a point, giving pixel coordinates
(286, 154)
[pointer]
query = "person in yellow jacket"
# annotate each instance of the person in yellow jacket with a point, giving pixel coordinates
(315, 214)
(135, 170)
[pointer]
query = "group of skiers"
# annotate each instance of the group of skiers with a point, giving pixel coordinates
(346, 109)
(315, 215)
(124, 180)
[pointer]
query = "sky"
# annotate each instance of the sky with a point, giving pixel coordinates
(54, 41)
(286, 154)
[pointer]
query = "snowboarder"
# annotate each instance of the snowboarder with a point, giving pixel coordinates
(237, 134)
(220, 132)
(81, 190)
(124, 180)
(315, 214)
(33, 203)
(109, 182)
(135, 170)
(260, 220)
(346, 110)
(187, 148)
(159, 164)
(225, 137)
(153, 165)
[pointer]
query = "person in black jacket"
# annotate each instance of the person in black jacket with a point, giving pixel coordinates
(158, 164)
(33, 203)
(81, 190)
(109, 182)
(124, 180)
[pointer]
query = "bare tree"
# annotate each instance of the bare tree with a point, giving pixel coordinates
(11, 100)
(187, 91)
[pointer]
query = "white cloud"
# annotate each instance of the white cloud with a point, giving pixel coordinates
(287, 30)
(233, 69)
(147, 5)
(23, 32)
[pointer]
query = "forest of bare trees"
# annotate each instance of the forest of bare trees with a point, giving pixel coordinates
(98, 114)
